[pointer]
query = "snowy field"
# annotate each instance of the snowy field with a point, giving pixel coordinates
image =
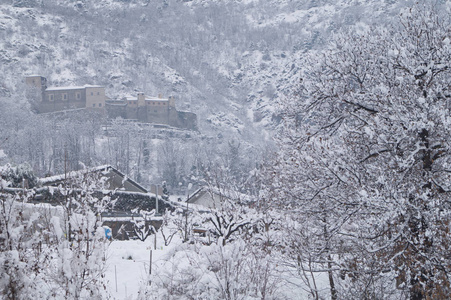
(128, 261)
(128, 269)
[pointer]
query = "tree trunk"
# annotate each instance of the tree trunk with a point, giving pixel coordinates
(333, 291)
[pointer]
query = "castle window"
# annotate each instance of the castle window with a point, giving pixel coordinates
(164, 103)
(93, 105)
(64, 97)
(153, 103)
(98, 93)
(50, 97)
(159, 103)
(92, 93)
(78, 96)
(100, 104)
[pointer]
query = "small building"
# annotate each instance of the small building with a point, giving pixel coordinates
(126, 198)
(213, 198)
(207, 198)
(115, 180)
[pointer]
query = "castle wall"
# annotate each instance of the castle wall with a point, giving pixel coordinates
(153, 113)
(116, 110)
(141, 114)
(131, 112)
(157, 112)
(183, 119)
(62, 99)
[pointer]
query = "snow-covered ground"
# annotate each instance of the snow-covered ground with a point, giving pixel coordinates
(128, 268)
(128, 261)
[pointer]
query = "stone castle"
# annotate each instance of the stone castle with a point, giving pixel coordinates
(156, 110)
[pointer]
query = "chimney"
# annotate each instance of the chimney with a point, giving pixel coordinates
(160, 96)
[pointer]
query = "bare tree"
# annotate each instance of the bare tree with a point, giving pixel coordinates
(364, 157)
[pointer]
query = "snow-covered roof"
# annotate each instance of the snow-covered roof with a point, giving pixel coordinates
(105, 169)
(60, 88)
(72, 174)
(134, 98)
(211, 196)
(156, 99)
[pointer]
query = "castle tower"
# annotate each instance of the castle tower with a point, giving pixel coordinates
(141, 99)
(37, 82)
(171, 100)
(35, 90)
(95, 96)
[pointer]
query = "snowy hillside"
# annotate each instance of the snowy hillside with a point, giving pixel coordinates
(229, 61)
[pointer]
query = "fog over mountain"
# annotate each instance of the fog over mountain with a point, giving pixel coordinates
(228, 61)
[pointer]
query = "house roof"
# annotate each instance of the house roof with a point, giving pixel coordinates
(212, 197)
(106, 170)
(131, 181)
(196, 195)
(207, 198)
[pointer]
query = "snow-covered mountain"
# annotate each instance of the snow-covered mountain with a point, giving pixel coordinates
(229, 61)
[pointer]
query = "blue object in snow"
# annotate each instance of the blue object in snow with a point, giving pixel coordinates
(107, 232)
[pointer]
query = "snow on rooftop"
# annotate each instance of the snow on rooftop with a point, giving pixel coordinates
(147, 98)
(72, 174)
(156, 99)
(60, 88)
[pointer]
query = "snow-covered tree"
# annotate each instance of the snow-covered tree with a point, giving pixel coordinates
(169, 226)
(78, 245)
(141, 225)
(365, 158)
(233, 271)
(20, 176)
(229, 220)
(22, 261)
(52, 252)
